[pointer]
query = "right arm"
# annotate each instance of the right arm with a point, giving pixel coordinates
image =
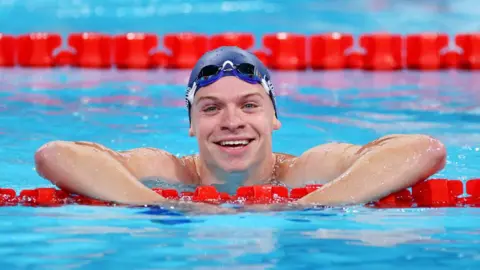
(95, 171)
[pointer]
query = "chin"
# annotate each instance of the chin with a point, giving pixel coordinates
(234, 166)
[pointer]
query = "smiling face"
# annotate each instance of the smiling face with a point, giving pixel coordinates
(233, 122)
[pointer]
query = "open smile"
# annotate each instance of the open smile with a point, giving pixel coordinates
(234, 146)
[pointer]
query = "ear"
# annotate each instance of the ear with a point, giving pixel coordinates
(276, 124)
(190, 132)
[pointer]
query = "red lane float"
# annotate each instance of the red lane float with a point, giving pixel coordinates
(133, 50)
(64, 58)
(8, 197)
(355, 60)
(52, 197)
(262, 56)
(382, 51)
(90, 50)
(328, 51)
(185, 48)
(470, 44)
(36, 49)
(241, 40)
(262, 194)
(282, 51)
(430, 193)
(402, 198)
(42, 197)
(7, 50)
(287, 51)
(451, 59)
(437, 192)
(473, 191)
(424, 51)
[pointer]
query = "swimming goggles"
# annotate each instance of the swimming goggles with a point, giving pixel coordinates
(244, 71)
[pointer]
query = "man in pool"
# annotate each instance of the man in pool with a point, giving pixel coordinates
(232, 111)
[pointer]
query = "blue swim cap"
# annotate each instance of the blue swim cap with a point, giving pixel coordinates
(228, 61)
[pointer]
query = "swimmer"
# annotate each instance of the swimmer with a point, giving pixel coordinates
(232, 111)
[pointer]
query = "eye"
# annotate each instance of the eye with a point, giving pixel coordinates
(209, 109)
(250, 105)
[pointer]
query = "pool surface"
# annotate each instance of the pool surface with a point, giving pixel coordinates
(129, 109)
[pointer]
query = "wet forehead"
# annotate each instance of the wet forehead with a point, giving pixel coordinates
(230, 88)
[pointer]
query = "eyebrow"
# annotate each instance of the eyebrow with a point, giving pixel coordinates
(217, 99)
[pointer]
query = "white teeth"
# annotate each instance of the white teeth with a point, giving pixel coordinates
(241, 142)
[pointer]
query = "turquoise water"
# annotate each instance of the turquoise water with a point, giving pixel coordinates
(130, 109)
(262, 16)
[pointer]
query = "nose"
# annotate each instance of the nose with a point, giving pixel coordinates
(232, 120)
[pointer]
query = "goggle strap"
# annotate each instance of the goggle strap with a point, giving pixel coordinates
(191, 93)
(265, 86)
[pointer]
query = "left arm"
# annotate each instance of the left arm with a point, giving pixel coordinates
(368, 173)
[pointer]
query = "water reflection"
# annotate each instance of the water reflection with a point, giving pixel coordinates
(92, 235)
(445, 91)
(378, 238)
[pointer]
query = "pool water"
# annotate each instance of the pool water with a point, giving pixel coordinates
(129, 109)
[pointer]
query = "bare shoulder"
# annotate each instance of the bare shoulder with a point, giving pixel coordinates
(142, 163)
(326, 162)
(150, 163)
(319, 164)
